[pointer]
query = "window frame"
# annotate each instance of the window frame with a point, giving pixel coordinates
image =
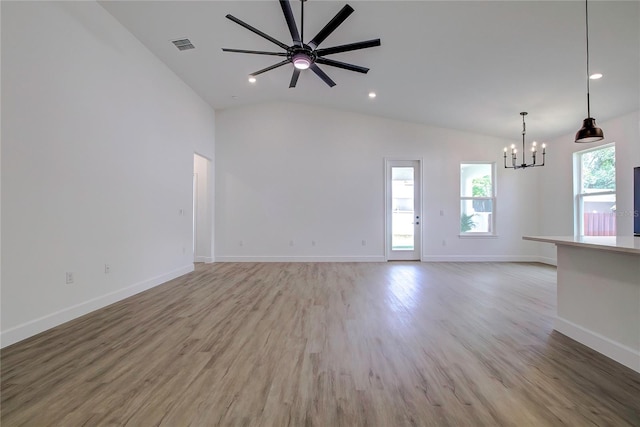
(492, 198)
(578, 196)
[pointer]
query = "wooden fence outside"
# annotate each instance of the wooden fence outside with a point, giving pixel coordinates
(600, 224)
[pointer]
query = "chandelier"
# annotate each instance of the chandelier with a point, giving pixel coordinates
(514, 152)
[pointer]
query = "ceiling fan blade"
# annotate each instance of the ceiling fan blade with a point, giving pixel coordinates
(291, 22)
(331, 26)
(344, 65)
(322, 75)
(294, 77)
(348, 47)
(279, 64)
(258, 32)
(257, 52)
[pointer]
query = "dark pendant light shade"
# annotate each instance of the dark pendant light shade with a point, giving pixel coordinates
(589, 131)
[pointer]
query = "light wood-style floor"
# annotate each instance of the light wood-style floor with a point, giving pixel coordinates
(326, 344)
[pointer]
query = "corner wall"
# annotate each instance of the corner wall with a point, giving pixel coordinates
(98, 138)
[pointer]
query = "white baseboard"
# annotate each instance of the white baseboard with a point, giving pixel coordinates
(547, 260)
(480, 258)
(205, 259)
(381, 258)
(374, 258)
(622, 354)
(33, 327)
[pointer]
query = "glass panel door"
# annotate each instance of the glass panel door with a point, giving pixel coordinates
(403, 209)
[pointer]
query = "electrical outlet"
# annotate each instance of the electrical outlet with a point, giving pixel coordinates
(313, 243)
(240, 243)
(107, 269)
(364, 242)
(444, 243)
(69, 278)
(290, 242)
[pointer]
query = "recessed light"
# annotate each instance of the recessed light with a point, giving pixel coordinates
(252, 79)
(372, 95)
(595, 76)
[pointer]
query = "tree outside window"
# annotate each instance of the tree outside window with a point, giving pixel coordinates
(477, 198)
(595, 198)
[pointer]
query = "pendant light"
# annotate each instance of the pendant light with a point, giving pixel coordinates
(589, 131)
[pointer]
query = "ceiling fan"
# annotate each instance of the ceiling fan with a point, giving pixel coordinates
(304, 56)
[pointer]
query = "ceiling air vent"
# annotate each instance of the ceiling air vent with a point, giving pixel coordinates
(183, 44)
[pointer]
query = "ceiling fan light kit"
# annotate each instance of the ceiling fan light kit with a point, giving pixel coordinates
(301, 61)
(306, 56)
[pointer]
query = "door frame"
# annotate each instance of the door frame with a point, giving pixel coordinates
(387, 203)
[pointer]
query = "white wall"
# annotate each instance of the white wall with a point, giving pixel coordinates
(98, 138)
(288, 172)
(556, 185)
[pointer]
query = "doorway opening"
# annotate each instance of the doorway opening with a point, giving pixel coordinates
(202, 210)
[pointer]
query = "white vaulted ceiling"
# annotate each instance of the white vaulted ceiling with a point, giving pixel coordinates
(468, 65)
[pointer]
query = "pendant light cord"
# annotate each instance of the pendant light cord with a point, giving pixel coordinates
(586, 14)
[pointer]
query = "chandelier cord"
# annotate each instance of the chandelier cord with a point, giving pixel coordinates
(524, 131)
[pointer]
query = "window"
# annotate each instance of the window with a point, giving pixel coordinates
(595, 191)
(477, 199)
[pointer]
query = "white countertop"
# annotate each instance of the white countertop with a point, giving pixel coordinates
(628, 244)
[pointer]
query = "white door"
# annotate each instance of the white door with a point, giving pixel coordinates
(403, 210)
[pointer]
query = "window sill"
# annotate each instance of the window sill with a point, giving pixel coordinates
(478, 236)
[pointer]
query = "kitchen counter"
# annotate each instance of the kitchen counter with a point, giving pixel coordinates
(629, 244)
(599, 293)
